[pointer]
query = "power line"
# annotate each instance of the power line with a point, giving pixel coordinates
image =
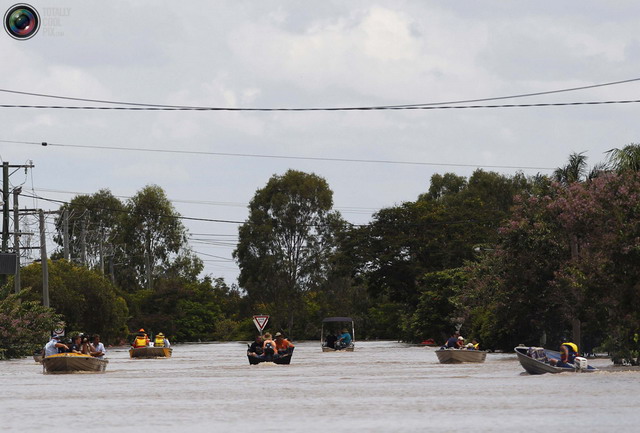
(290, 157)
(380, 107)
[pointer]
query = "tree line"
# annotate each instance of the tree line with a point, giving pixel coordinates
(507, 259)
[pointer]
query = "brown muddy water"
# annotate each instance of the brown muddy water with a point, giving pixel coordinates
(381, 387)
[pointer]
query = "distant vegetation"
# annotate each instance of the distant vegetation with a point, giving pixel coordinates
(509, 259)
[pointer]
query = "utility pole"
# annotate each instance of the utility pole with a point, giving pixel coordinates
(102, 250)
(83, 242)
(16, 238)
(43, 260)
(5, 206)
(65, 236)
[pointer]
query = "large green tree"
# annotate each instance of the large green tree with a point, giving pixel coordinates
(154, 240)
(284, 247)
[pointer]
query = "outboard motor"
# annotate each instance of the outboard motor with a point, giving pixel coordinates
(580, 363)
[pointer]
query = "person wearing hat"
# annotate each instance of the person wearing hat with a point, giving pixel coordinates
(282, 344)
(142, 339)
(268, 347)
(54, 346)
(161, 341)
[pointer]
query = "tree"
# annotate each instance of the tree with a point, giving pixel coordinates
(574, 171)
(24, 325)
(86, 300)
(285, 245)
(627, 158)
(153, 237)
(94, 219)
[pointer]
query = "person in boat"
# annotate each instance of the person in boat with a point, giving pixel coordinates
(86, 347)
(330, 341)
(76, 344)
(97, 348)
(344, 340)
(453, 341)
(256, 347)
(54, 346)
(141, 340)
(475, 343)
(568, 353)
(161, 341)
(282, 344)
(269, 349)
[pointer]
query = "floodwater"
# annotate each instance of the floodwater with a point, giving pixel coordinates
(381, 387)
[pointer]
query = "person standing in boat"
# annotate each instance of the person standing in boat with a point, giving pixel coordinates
(161, 341)
(97, 348)
(54, 346)
(568, 353)
(141, 340)
(282, 344)
(344, 340)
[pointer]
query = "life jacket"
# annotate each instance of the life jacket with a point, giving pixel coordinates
(572, 352)
(140, 341)
(159, 342)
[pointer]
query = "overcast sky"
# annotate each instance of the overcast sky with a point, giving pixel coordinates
(310, 54)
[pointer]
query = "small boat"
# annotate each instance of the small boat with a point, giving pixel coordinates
(150, 352)
(280, 359)
(328, 346)
(458, 356)
(73, 363)
(535, 360)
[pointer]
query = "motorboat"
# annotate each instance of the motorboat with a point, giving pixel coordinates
(536, 360)
(459, 356)
(328, 345)
(73, 363)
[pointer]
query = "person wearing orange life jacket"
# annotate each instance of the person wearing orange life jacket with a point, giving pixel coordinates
(141, 340)
(282, 344)
(161, 341)
(568, 353)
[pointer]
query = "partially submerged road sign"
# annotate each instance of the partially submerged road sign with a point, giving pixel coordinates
(260, 322)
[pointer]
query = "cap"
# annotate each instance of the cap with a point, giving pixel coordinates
(460, 338)
(55, 337)
(160, 334)
(278, 334)
(141, 330)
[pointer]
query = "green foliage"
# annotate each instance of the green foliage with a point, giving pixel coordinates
(24, 325)
(85, 299)
(284, 248)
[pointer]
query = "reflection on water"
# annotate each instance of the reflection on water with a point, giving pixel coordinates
(382, 386)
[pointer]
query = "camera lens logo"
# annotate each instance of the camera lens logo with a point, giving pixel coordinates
(21, 21)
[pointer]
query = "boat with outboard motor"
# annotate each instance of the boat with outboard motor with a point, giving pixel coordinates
(328, 344)
(535, 360)
(281, 359)
(150, 352)
(73, 363)
(459, 356)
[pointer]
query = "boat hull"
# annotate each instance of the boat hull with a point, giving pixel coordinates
(280, 360)
(150, 352)
(459, 356)
(73, 363)
(535, 366)
(329, 349)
